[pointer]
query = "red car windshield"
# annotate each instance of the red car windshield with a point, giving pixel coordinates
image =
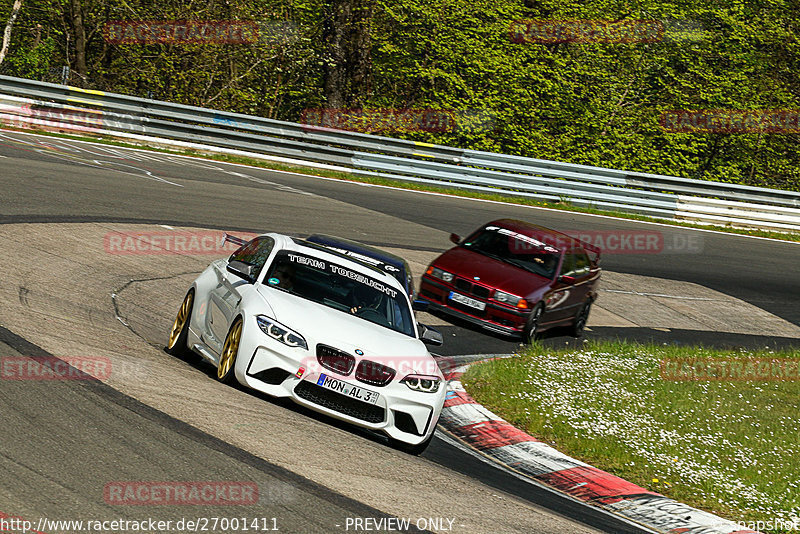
(515, 249)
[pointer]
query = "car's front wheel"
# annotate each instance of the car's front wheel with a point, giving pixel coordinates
(533, 324)
(579, 324)
(227, 360)
(176, 344)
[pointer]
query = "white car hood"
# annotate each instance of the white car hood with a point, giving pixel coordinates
(321, 324)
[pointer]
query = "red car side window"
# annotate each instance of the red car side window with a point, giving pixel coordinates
(568, 266)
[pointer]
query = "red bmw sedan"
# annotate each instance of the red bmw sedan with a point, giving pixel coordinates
(515, 278)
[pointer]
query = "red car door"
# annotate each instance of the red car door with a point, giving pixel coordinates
(559, 298)
(571, 287)
(581, 281)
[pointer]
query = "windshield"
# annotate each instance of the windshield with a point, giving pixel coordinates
(342, 289)
(371, 260)
(515, 249)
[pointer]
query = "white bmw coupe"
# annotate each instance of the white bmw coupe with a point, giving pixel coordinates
(295, 319)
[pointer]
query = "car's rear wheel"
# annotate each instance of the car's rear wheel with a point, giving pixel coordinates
(176, 344)
(533, 324)
(416, 450)
(581, 318)
(227, 361)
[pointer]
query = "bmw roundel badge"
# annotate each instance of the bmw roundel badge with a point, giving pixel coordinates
(359, 352)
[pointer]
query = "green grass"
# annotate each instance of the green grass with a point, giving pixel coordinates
(728, 447)
(562, 204)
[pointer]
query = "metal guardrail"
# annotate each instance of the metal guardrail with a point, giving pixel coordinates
(49, 106)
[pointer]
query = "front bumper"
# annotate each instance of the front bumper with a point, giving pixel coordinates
(495, 318)
(267, 365)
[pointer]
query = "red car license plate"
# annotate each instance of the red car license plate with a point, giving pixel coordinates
(466, 301)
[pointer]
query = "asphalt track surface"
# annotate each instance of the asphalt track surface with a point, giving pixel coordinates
(59, 183)
(58, 459)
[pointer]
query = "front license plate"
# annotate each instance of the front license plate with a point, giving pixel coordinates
(351, 390)
(466, 301)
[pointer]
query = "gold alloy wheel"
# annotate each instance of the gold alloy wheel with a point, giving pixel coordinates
(180, 320)
(229, 350)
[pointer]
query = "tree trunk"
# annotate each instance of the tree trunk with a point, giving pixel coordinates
(346, 32)
(7, 33)
(79, 30)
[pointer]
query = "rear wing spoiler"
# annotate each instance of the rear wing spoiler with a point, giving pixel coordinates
(228, 238)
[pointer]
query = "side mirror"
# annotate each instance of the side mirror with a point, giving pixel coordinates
(241, 269)
(455, 238)
(430, 336)
(565, 279)
(420, 305)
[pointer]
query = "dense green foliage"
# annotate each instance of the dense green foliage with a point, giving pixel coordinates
(590, 103)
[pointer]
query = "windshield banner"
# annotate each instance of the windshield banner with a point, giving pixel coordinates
(341, 271)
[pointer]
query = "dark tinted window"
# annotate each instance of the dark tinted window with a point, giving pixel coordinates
(576, 264)
(254, 253)
(582, 264)
(568, 267)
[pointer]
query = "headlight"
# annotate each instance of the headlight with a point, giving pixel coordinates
(440, 274)
(424, 383)
(276, 330)
(511, 300)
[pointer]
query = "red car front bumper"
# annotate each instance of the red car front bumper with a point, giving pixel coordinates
(494, 317)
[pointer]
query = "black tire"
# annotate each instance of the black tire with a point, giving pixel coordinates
(179, 333)
(532, 327)
(415, 450)
(579, 324)
(230, 352)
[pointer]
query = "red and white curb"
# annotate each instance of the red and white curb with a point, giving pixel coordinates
(498, 440)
